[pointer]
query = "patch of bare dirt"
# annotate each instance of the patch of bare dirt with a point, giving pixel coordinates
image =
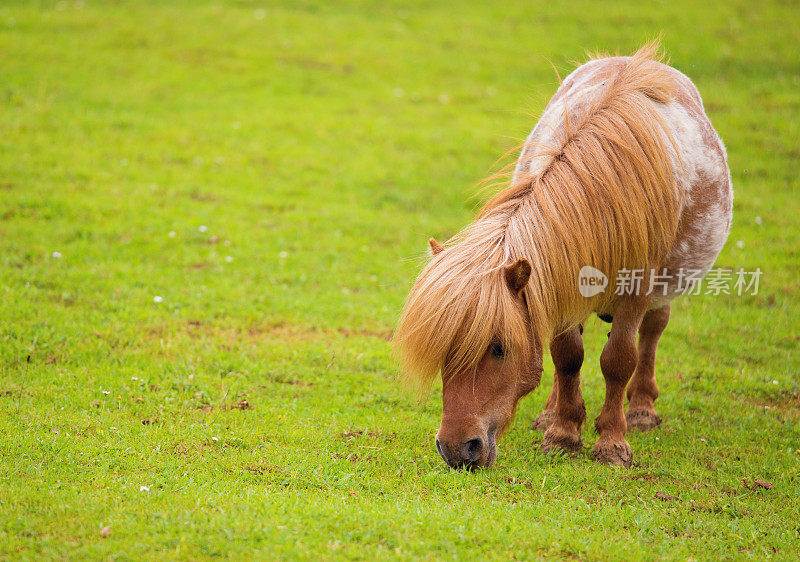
(184, 449)
(647, 477)
(756, 484)
(275, 331)
(280, 379)
(264, 469)
(354, 457)
(786, 404)
(242, 404)
(376, 434)
(515, 482)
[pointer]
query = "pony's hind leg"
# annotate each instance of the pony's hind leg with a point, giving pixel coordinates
(618, 362)
(564, 432)
(643, 391)
(545, 418)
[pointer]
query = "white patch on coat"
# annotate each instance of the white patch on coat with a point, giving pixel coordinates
(701, 173)
(575, 97)
(697, 160)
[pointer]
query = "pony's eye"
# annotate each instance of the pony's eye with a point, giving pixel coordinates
(496, 349)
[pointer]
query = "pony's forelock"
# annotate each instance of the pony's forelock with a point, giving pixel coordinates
(460, 304)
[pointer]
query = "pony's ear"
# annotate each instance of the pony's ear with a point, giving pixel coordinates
(518, 275)
(435, 246)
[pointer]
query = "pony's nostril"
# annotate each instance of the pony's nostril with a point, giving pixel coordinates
(472, 449)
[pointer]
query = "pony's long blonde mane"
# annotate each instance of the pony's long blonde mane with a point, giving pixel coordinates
(600, 192)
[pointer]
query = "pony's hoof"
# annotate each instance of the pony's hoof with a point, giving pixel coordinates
(543, 420)
(557, 438)
(643, 420)
(618, 453)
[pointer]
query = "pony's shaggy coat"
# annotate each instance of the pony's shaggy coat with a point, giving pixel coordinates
(598, 190)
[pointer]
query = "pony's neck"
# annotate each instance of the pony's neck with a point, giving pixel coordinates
(552, 297)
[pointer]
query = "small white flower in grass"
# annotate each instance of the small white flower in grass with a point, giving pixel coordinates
(740, 244)
(284, 255)
(56, 255)
(55, 431)
(759, 220)
(157, 299)
(774, 382)
(114, 428)
(228, 259)
(260, 14)
(144, 488)
(703, 440)
(215, 438)
(202, 228)
(657, 438)
(134, 378)
(172, 234)
(106, 391)
(191, 377)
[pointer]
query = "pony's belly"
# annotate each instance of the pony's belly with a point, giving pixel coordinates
(702, 235)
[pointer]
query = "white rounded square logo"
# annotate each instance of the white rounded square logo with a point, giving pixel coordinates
(591, 281)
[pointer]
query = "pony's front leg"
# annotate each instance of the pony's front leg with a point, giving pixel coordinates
(618, 362)
(564, 432)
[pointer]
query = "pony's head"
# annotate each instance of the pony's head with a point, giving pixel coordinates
(467, 318)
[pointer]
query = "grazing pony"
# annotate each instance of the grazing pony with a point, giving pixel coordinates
(623, 173)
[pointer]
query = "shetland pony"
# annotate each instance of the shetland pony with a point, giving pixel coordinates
(623, 173)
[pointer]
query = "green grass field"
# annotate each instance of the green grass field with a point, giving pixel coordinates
(271, 172)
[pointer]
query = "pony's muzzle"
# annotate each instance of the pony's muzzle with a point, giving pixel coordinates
(470, 454)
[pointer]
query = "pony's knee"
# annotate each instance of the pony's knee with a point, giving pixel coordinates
(618, 360)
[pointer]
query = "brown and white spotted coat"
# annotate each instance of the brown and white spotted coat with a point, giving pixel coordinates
(700, 166)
